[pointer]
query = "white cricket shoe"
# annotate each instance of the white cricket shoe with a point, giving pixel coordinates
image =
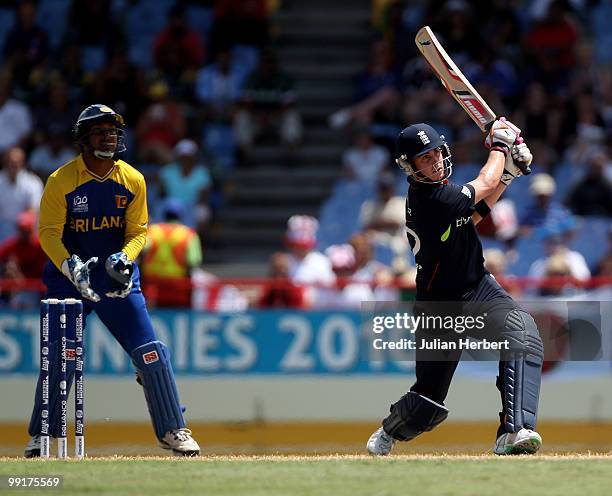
(33, 448)
(180, 442)
(380, 443)
(523, 442)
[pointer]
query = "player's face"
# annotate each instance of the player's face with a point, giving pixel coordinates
(103, 137)
(431, 165)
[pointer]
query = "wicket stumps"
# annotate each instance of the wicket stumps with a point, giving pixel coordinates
(67, 318)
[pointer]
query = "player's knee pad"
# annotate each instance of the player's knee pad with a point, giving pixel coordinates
(152, 362)
(523, 336)
(412, 415)
(522, 370)
(54, 389)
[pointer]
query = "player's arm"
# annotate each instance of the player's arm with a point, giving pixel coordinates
(120, 266)
(136, 220)
(51, 225)
(500, 139)
(517, 163)
(52, 221)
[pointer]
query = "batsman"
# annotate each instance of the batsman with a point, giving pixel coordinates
(93, 225)
(441, 219)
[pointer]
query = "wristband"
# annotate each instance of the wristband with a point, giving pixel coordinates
(482, 209)
(500, 148)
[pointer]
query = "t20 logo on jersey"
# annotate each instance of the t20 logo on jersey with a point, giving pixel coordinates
(79, 204)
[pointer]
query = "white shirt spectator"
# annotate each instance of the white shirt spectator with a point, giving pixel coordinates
(393, 211)
(314, 268)
(366, 164)
(15, 123)
(15, 198)
(576, 262)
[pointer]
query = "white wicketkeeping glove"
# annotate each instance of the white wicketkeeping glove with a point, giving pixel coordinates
(78, 273)
(502, 135)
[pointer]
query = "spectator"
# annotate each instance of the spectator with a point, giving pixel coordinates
(364, 161)
(267, 105)
(160, 127)
(51, 153)
(496, 262)
(371, 271)
(15, 118)
(56, 112)
(366, 268)
(584, 128)
(456, 25)
(401, 20)
(172, 252)
(555, 246)
(280, 292)
(306, 265)
(502, 30)
(122, 84)
(537, 119)
(188, 181)
(490, 71)
(240, 21)
(592, 195)
(20, 191)
(92, 23)
(218, 87)
(545, 212)
(347, 294)
(22, 258)
(558, 277)
(26, 46)
(69, 68)
(552, 42)
(375, 91)
(178, 49)
(384, 218)
(502, 223)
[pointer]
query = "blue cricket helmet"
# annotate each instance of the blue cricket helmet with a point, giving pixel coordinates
(98, 113)
(417, 140)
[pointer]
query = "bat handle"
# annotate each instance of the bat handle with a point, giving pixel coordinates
(519, 140)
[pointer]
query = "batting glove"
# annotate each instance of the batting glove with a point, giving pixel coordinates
(522, 157)
(119, 269)
(502, 135)
(78, 273)
(517, 163)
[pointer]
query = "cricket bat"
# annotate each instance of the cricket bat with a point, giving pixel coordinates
(453, 79)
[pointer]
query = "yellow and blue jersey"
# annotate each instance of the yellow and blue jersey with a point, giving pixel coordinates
(87, 215)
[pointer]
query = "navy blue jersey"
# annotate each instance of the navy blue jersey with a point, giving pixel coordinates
(444, 240)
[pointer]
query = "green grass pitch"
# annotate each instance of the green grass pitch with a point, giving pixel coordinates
(341, 475)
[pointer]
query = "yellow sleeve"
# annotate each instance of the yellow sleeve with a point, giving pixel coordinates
(52, 221)
(136, 220)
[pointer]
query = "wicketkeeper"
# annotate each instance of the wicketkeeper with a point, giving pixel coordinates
(441, 219)
(93, 224)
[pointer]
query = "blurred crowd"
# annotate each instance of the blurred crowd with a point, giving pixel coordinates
(199, 84)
